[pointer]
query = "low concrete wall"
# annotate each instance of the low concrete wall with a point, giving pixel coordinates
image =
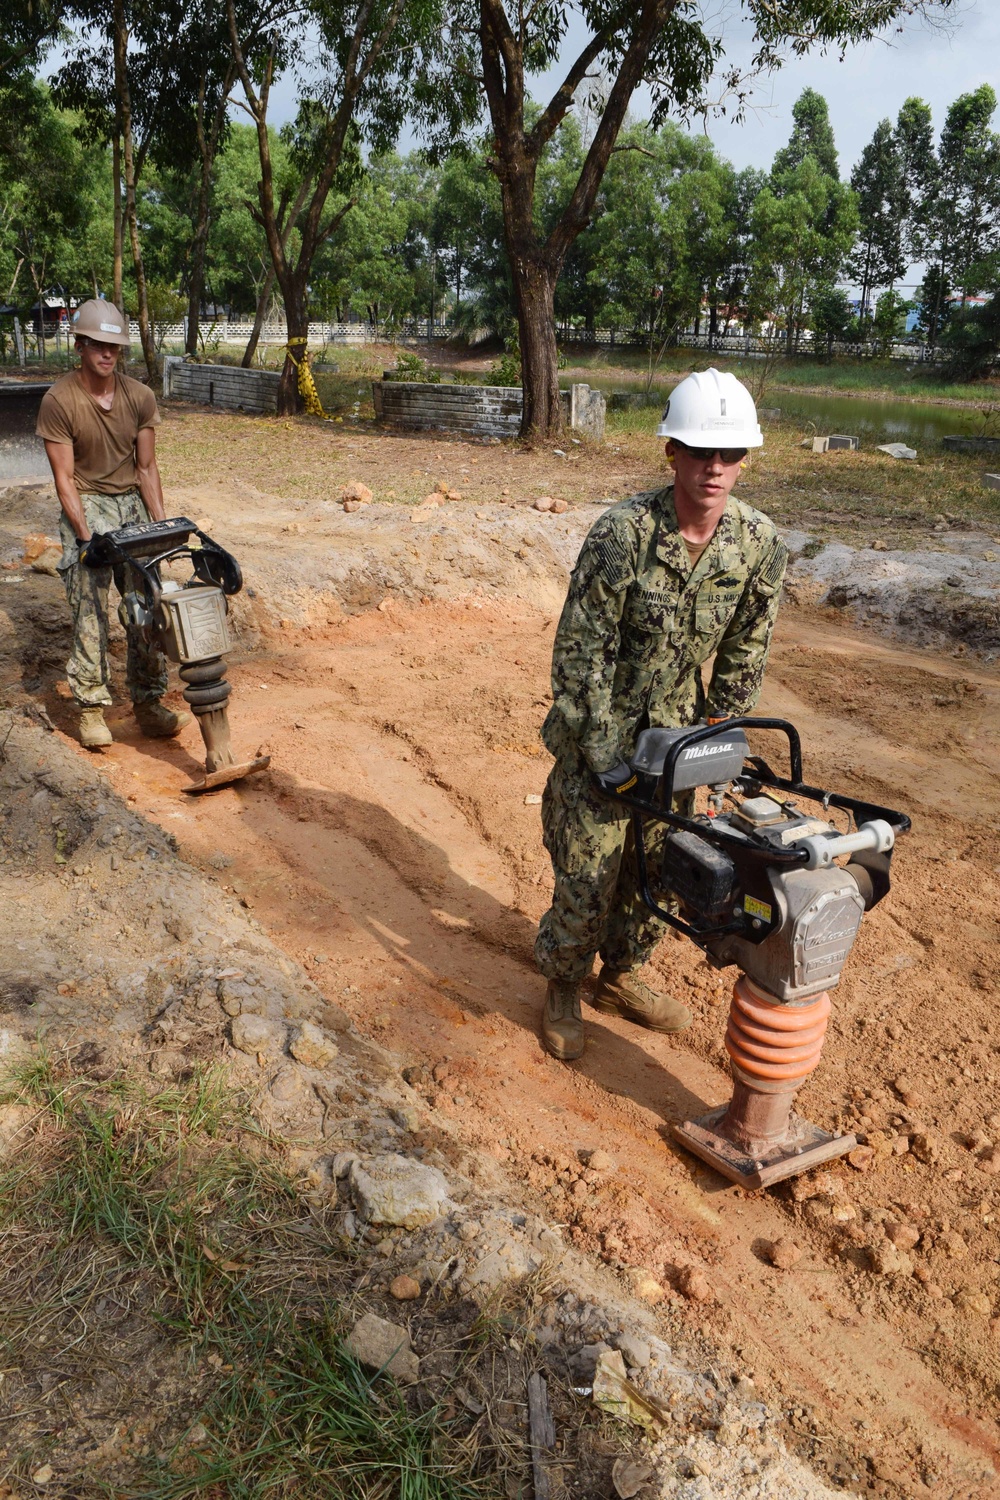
(228, 386)
(972, 444)
(479, 410)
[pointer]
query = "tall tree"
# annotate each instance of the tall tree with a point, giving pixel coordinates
(812, 135)
(374, 61)
(969, 157)
(133, 74)
(878, 260)
(803, 227)
(662, 43)
(926, 230)
(805, 220)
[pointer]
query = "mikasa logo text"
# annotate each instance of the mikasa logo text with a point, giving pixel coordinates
(698, 751)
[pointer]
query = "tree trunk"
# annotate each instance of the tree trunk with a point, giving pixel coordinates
(116, 186)
(258, 322)
(296, 300)
(131, 215)
(534, 292)
(196, 277)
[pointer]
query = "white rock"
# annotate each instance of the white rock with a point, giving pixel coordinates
(507, 1261)
(255, 1034)
(392, 1189)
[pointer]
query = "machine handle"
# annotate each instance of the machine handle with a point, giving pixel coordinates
(821, 851)
(701, 732)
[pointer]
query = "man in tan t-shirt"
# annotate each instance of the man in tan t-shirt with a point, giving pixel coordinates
(99, 431)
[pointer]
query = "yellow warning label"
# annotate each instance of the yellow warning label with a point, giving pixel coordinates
(755, 908)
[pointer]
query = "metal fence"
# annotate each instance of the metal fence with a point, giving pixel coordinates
(216, 332)
(754, 347)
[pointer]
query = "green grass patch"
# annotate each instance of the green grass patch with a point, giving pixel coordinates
(156, 1254)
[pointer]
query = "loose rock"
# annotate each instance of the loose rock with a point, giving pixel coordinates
(254, 1034)
(903, 1236)
(695, 1285)
(544, 502)
(968, 1300)
(404, 1289)
(926, 1148)
(391, 1189)
(380, 1345)
(636, 1352)
(629, 1475)
(908, 1092)
(312, 1047)
(861, 1158)
(886, 1260)
(358, 492)
(784, 1253)
(644, 1285)
(600, 1161)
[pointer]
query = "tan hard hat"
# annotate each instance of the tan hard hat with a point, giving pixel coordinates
(102, 322)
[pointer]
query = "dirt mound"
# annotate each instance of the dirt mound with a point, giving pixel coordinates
(939, 599)
(393, 852)
(121, 964)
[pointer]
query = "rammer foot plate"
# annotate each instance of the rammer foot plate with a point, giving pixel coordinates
(803, 1147)
(226, 774)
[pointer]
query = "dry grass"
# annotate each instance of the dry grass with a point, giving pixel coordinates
(175, 1311)
(858, 496)
(174, 1314)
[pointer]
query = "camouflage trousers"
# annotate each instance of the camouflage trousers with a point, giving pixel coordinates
(596, 905)
(87, 590)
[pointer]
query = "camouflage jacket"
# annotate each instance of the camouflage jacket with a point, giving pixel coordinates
(639, 622)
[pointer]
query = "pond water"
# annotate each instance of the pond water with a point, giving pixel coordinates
(22, 455)
(918, 423)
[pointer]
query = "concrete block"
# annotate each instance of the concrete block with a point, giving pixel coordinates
(820, 444)
(840, 440)
(228, 386)
(972, 444)
(991, 481)
(480, 410)
(897, 450)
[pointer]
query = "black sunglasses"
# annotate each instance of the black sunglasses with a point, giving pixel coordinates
(728, 455)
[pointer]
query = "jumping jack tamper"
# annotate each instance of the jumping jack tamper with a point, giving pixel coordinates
(759, 886)
(188, 620)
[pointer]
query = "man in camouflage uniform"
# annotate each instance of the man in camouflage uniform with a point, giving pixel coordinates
(99, 431)
(664, 580)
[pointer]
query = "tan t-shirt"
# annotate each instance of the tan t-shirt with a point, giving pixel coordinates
(103, 441)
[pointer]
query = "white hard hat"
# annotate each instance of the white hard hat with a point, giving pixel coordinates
(710, 409)
(102, 322)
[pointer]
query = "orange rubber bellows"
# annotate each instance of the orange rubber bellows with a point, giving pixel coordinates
(757, 1138)
(771, 1043)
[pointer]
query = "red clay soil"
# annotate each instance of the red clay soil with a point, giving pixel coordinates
(394, 848)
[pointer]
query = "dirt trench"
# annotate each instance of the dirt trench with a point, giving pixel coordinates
(394, 850)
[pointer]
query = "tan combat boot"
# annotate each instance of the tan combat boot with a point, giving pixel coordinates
(158, 722)
(94, 733)
(562, 1023)
(619, 994)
